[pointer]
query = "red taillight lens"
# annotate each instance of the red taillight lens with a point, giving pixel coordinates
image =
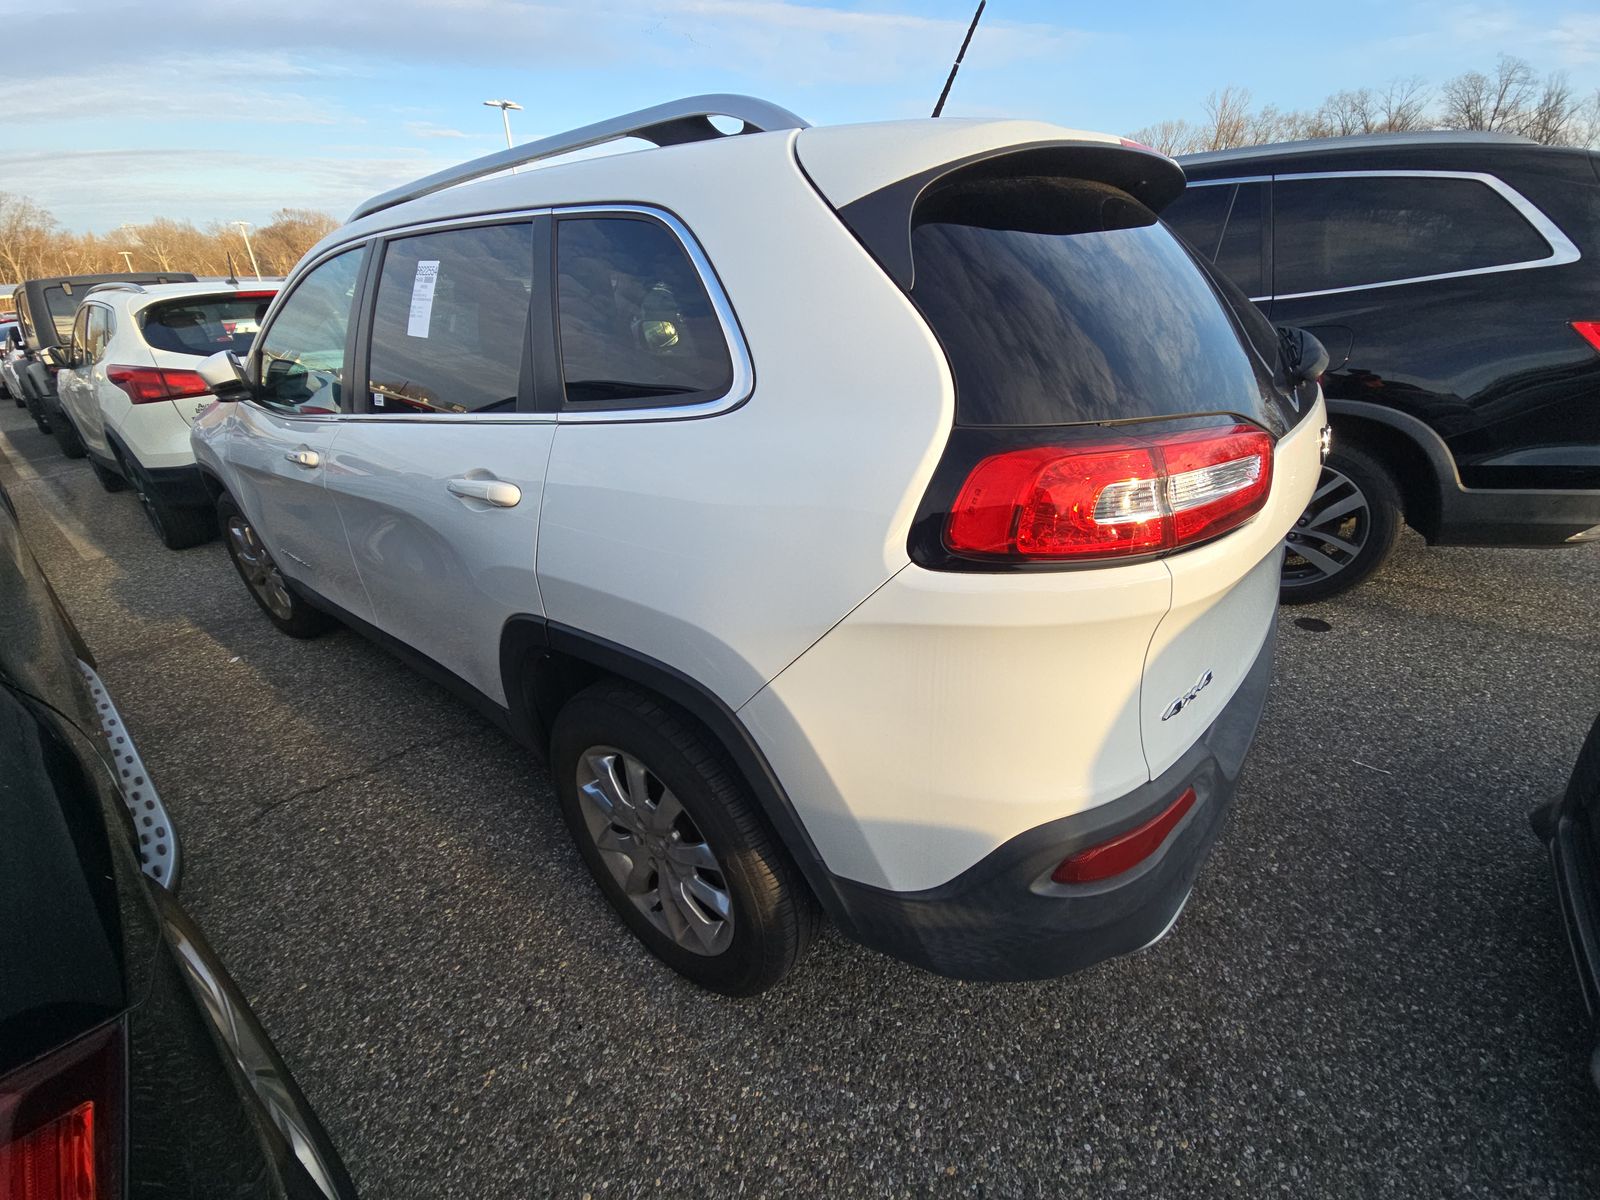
(1589, 331)
(60, 1123)
(1127, 850)
(1135, 494)
(146, 385)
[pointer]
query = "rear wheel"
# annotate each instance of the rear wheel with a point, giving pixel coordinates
(676, 843)
(179, 526)
(261, 576)
(1346, 532)
(66, 433)
(107, 477)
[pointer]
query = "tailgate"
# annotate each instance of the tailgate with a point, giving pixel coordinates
(1224, 596)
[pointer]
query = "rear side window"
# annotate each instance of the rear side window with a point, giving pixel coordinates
(1060, 301)
(1349, 231)
(451, 323)
(1222, 222)
(636, 321)
(101, 327)
(63, 308)
(203, 325)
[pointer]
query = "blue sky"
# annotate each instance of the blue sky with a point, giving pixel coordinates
(217, 110)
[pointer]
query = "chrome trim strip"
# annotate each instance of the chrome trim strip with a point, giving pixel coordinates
(1230, 179)
(1562, 250)
(744, 376)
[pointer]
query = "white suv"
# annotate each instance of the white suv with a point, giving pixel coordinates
(129, 390)
(881, 518)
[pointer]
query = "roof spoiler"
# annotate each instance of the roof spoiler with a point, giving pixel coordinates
(669, 124)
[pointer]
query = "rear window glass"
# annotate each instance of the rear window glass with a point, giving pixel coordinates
(1353, 230)
(203, 325)
(1059, 301)
(63, 308)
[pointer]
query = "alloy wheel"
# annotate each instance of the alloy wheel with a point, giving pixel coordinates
(260, 573)
(1331, 533)
(654, 851)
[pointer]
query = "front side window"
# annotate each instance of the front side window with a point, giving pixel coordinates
(100, 326)
(1350, 231)
(636, 322)
(451, 322)
(302, 353)
(80, 335)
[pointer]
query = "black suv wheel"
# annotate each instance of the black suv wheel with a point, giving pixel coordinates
(1346, 532)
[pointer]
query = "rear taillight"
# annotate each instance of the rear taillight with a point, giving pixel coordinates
(146, 385)
(1127, 850)
(61, 1123)
(1589, 331)
(1125, 495)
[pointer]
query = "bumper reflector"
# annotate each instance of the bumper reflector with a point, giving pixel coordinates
(1126, 850)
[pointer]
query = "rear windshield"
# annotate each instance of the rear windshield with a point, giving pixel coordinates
(203, 325)
(63, 308)
(1061, 301)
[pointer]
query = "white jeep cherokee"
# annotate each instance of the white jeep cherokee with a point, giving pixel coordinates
(129, 391)
(881, 518)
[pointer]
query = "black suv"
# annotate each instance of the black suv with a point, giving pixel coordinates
(1455, 280)
(45, 312)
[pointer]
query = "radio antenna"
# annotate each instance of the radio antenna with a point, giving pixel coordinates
(962, 53)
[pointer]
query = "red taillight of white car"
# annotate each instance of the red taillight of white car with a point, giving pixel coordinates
(61, 1122)
(1123, 495)
(147, 385)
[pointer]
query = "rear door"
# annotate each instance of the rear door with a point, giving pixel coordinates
(279, 442)
(73, 389)
(439, 474)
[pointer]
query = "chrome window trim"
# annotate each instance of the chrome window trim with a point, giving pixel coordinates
(1231, 179)
(1562, 249)
(743, 382)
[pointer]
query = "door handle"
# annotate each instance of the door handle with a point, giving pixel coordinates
(304, 458)
(491, 491)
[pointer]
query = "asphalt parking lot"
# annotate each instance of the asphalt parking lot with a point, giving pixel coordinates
(1368, 995)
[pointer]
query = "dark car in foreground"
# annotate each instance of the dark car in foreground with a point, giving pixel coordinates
(46, 309)
(130, 1065)
(1455, 280)
(1570, 830)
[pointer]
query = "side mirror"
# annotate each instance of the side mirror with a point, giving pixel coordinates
(1304, 357)
(224, 374)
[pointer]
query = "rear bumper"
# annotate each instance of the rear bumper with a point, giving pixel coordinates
(1003, 919)
(1489, 517)
(1577, 879)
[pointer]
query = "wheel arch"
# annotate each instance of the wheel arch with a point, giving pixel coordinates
(1415, 456)
(543, 664)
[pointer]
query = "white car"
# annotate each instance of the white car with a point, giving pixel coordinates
(130, 391)
(883, 519)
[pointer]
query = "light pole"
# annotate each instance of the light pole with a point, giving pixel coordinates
(127, 259)
(505, 107)
(244, 230)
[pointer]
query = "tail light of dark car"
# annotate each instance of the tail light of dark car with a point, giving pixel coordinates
(1589, 331)
(61, 1122)
(147, 385)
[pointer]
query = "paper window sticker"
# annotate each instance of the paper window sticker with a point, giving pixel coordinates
(422, 288)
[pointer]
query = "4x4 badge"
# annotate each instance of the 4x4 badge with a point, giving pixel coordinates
(1188, 698)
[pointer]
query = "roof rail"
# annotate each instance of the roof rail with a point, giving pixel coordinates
(669, 124)
(119, 286)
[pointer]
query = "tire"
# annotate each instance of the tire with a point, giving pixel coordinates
(179, 526)
(261, 577)
(106, 477)
(1347, 532)
(66, 433)
(744, 916)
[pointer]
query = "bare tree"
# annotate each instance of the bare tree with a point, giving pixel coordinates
(1474, 100)
(1227, 119)
(1169, 137)
(1403, 105)
(291, 232)
(26, 231)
